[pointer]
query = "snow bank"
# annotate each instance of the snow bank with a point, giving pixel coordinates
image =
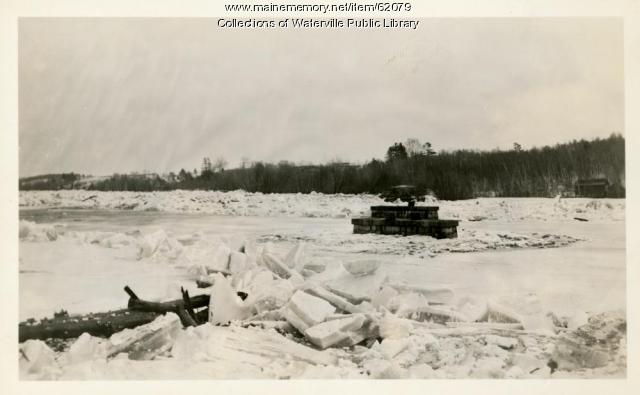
(241, 203)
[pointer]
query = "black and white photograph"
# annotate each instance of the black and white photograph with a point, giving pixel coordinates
(321, 194)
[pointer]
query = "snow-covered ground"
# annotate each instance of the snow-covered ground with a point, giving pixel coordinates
(527, 258)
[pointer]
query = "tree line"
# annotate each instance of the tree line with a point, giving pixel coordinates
(450, 175)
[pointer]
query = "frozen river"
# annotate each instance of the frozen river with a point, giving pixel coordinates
(588, 275)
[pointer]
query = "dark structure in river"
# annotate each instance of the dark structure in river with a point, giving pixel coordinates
(406, 220)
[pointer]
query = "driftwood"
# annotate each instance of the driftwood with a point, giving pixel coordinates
(99, 324)
(138, 312)
(174, 306)
(192, 310)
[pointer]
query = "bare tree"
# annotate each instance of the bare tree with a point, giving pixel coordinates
(220, 164)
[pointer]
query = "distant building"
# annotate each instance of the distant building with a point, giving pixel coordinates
(592, 187)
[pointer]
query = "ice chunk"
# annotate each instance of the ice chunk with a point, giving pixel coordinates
(392, 327)
(117, 240)
(146, 341)
(529, 309)
(362, 268)
(36, 358)
(254, 280)
(391, 347)
(311, 309)
(306, 273)
(333, 270)
(435, 295)
(331, 332)
(239, 347)
(30, 231)
(198, 270)
(316, 266)
(265, 292)
(338, 301)
(214, 257)
(225, 305)
(239, 262)
(592, 345)
(219, 259)
(86, 348)
(280, 269)
(497, 313)
(159, 245)
(296, 258)
(473, 308)
(295, 320)
(407, 305)
(271, 297)
(524, 309)
(357, 289)
(249, 247)
(384, 297)
(577, 319)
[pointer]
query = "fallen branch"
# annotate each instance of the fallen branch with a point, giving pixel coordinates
(187, 304)
(175, 306)
(188, 315)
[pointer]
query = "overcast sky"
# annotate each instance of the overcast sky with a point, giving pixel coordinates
(116, 95)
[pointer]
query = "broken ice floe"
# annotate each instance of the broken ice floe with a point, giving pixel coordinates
(348, 315)
(241, 203)
(468, 240)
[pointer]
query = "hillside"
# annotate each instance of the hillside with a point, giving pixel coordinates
(451, 175)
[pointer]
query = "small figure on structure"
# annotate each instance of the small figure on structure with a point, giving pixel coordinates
(406, 193)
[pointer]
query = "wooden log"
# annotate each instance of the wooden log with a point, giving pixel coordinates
(138, 304)
(175, 306)
(138, 312)
(185, 318)
(98, 324)
(187, 304)
(197, 301)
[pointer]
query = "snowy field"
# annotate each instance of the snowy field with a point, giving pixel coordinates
(524, 284)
